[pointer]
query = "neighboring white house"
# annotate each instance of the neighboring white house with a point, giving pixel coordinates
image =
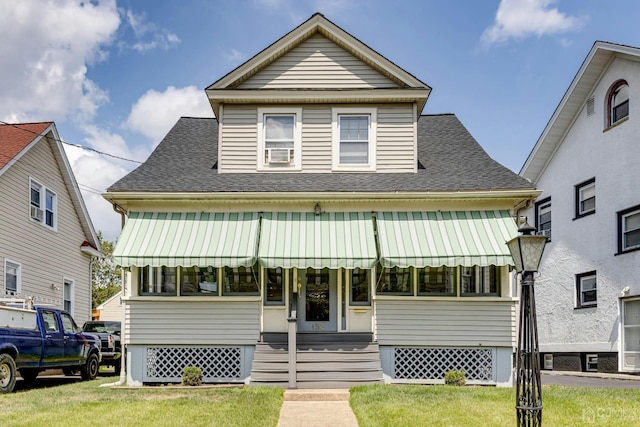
(47, 241)
(586, 162)
(322, 207)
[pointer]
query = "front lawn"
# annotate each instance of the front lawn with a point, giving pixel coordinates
(489, 406)
(84, 403)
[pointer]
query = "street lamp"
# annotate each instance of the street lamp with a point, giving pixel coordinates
(526, 251)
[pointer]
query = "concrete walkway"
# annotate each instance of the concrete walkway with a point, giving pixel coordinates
(316, 408)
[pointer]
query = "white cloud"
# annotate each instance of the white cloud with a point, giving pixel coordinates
(149, 35)
(235, 56)
(156, 112)
(517, 19)
(47, 47)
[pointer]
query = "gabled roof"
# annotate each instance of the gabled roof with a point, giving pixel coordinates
(17, 139)
(317, 23)
(184, 162)
(574, 99)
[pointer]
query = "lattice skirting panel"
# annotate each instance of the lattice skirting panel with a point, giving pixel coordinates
(218, 364)
(431, 363)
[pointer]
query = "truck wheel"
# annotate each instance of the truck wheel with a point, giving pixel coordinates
(90, 369)
(29, 375)
(7, 373)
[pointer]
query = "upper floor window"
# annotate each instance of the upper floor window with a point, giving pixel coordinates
(629, 229)
(586, 198)
(354, 142)
(280, 135)
(43, 204)
(543, 217)
(618, 102)
(12, 277)
(586, 290)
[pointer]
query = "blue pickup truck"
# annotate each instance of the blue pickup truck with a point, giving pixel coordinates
(39, 338)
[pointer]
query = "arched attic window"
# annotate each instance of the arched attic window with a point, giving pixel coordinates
(617, 102)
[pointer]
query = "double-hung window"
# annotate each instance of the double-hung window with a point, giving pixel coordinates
(279, 134)
(629, 229)
(618, 102)
(354, 139)
(543, 217)
(67, 293)
(43, 204)
(586, 198)
(586, 288)
(12, 273)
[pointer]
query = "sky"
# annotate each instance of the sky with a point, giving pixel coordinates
(115, 75)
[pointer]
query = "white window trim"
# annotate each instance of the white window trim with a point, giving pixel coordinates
(581, 280)
(581, 199)
(335, 153)
(624, 231)
(297, 140)
(72, 286)
(588, 363)
(43, 204)
(18, 274)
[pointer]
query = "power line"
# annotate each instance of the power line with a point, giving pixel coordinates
(84, 147)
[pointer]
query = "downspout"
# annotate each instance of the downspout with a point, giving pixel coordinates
(123, 375)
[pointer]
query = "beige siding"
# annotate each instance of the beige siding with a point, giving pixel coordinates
(445, 323)
(113, 310)
(192, 322)
(239, 139)
(46, 256)
(395, 139)
(316, 139)
(318, 63)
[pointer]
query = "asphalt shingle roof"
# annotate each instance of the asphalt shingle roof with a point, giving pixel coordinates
(15, 137)
(453, 161)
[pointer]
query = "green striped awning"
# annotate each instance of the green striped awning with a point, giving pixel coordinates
(187, 239)
(467, 238)
(304, 240)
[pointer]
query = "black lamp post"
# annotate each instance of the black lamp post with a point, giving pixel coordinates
(526, 251)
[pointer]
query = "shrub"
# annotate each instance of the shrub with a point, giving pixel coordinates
(192, 375)
(456, 378)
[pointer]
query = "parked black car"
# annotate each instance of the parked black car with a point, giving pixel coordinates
(109, 333)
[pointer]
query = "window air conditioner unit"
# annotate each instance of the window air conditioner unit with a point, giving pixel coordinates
(545, 233)
(37, 213)
(279, 155)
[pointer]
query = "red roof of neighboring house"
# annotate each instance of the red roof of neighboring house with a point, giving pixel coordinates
(15, 137)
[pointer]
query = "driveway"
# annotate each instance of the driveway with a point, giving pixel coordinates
(580, 379)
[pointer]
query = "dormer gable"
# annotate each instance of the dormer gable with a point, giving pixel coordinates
(353, 72)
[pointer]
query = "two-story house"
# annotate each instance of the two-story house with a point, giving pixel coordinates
(47, 241)
(585, 161)
(320, 232)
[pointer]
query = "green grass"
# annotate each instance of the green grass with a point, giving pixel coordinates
(84, 403)
(490, 406)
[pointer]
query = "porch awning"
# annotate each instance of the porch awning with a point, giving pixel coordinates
(306, 240)
(188, 239)
(467, 238)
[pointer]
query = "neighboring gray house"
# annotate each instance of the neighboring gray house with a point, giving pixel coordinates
(47, 241)
(586, 161)
(321, 207)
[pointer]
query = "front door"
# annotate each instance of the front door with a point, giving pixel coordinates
(317, 308)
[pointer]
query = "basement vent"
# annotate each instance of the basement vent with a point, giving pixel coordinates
(590, 106)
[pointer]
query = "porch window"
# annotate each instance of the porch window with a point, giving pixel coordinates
(157, 280)
(199, 281)
(240, 281)
(274, 286)
(437, 281)
(480, 281)
(360, 285)
(394, 281)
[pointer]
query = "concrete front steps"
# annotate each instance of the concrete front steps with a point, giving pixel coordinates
(324, 361)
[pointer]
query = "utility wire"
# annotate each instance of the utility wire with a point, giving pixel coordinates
(84, 147)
